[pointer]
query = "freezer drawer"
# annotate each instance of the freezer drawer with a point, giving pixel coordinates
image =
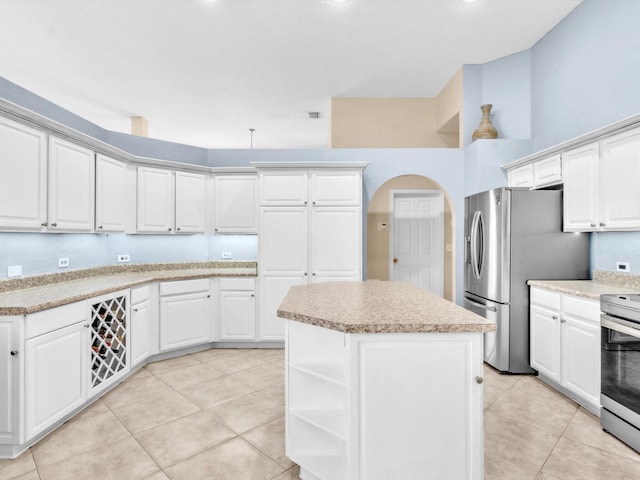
(496, 344)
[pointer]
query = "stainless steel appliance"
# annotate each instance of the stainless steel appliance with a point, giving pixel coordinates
(511, 236)
(620, 367)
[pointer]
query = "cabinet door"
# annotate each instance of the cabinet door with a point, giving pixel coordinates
(10, 385)
(110, 194)
(335, 244)
(272, 290)
(184, 320)
(545, 342)
(55, 376)
(581, 358)
(283, 240)
(547, 171)
(336, 188)
(237, 315)
(236, 204)
(521, 176)
(155, 200)
(140, 332)
(23, 177)
(71, 187)
(580, 197)
(620, 182)
(284, 188)
(190, 202)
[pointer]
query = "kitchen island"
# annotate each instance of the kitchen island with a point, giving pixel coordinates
(383, 382)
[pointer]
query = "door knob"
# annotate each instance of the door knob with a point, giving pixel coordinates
(479, 379)
(395, 260)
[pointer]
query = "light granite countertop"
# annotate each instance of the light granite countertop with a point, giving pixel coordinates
(41, 292)
(376, 306)
(603, 282)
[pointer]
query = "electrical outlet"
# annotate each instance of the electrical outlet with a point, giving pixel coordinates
(622, 266)
(63, 262)
(226, 255)
(124, 258)
(14, 271)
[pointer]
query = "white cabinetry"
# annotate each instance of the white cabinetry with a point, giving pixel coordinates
(541, 173)
(111, 198)
(602, 184)
(171, 201)
(185, 313)
(237, 309)
(236, 204)
(346, 417)
(310, 230)
(71, 187)
(565, 344)
(56, 360)
(23, 177)
(11, 369)
(144, 325)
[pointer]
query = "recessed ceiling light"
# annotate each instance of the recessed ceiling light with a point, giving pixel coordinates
(468, 1)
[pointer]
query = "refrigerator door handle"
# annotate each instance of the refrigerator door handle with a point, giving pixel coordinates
(480, 305)
(476, 227)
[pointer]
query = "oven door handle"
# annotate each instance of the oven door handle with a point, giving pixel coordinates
(618, 327)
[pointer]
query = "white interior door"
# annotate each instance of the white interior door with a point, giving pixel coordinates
(417, 238)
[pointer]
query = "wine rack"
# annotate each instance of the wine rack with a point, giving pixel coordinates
(108, 340)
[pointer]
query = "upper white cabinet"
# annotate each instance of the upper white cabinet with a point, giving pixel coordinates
(538, 174)
(310, 231)
(71, 187)
(171, 201)
(602, 184)
(111, 205)
(236, 204)
(23, 177)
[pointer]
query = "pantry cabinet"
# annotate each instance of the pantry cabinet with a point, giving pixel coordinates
(236, 204)
(185, 314)
(111, 194)
(23, 177)
(565, 344)
(310, 231)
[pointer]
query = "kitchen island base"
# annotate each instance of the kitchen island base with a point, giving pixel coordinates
(384, 406)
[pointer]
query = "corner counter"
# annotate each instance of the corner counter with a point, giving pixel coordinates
(383, 380)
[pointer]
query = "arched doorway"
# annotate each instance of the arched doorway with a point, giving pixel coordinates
(379, 231)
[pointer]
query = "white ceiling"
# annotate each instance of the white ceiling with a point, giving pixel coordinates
(205, 71)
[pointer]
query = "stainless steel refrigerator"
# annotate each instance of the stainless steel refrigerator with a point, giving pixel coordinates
(511, 236)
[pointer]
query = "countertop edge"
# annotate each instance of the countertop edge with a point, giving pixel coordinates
(589, 289)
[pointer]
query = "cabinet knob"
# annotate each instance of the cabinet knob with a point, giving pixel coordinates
(593, 225)
(253, 294)
(313, 203)
(562, 320)
(215, 229)
(209, 296)
(313, 274)
(169, 228)
(14, 353)
(86, 325)
(99, 227)
(306, 203)
(602, 224)
(479, 379)
(554, 317)
(44, 224)
(305, 274)
(178, 229)
(135, 309)
(54, 224)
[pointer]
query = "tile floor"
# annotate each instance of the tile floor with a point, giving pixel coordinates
(218, 415)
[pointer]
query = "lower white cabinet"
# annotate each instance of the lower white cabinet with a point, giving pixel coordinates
(384, 406)
(565, 344)
(237, 309)
(185, 313)
(10, 380)
(143, 324)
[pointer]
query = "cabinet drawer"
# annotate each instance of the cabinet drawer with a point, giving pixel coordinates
(140, 294)
(184, 286)
(55, 318)
(545, 298)
(238, 284)
(547, 171)
(521, 176)
(581, 307)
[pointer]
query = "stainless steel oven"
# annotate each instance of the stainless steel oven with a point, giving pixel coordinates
(620, 367)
